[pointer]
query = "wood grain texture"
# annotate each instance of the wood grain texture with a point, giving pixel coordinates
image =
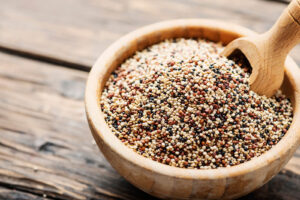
(77, 31)
(45, 144)
(46, 147)
(46, 151)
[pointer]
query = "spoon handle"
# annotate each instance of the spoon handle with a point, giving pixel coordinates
(285, 33)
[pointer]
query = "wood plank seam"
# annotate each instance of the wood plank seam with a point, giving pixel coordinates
(44, 58)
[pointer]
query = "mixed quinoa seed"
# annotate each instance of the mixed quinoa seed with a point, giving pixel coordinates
(180, 103)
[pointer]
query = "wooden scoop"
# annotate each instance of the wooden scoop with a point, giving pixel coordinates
(267, 52)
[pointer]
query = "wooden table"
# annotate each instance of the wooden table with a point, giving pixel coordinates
(46, 51)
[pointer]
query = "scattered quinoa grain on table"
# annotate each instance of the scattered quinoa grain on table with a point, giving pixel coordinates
(180, 103)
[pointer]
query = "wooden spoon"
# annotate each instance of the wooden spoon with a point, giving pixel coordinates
(267, 52)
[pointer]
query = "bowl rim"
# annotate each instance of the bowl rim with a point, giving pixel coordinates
(96, 118)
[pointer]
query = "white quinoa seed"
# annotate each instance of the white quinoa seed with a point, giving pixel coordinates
(180, 103)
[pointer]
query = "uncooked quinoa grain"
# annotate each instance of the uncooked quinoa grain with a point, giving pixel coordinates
(180, 103)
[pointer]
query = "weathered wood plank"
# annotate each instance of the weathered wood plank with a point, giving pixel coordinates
(77, 31)
(8, 194)
(46, 148)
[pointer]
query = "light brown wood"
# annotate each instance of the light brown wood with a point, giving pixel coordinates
(267, 52)
(176, 183)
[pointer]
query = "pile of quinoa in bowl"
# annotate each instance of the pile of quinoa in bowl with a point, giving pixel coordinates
(180, 103)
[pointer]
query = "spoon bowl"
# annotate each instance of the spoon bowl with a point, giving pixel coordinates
(169, 182)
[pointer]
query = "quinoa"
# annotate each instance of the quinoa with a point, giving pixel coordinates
(182, 104)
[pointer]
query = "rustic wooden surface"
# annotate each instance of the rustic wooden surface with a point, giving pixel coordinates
(77, 31)
(46, 149)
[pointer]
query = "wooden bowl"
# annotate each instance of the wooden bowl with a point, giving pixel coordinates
(177, 183)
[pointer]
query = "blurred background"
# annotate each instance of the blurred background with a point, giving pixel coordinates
(46, 51)
(77, 31)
